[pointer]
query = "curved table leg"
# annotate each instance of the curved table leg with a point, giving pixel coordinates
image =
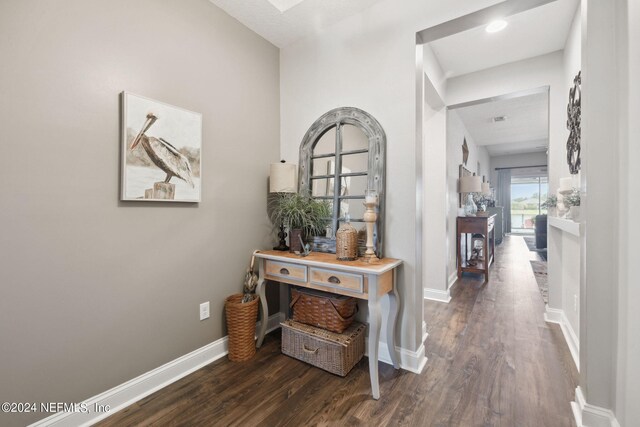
(394, 302)
(374, 337)
(264, 311)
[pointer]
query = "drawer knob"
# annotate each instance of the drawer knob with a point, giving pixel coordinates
(284, 271)
(334, 279)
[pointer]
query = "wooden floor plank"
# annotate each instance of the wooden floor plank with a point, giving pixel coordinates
(493, 361)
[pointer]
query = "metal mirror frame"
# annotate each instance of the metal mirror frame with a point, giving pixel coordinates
(376, 162)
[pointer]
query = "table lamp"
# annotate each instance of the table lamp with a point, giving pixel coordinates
(469, 185)
(282, 179)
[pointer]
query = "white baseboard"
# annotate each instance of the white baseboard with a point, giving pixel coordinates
(587, 415)
(437, 295)
(554, 315)
(577, 405)
(412, 361)
(453, 281)
(440, 295)
(424, 332)
(273, 323)
(133, 390)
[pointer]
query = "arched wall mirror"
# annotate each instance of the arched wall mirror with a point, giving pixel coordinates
(341, 156)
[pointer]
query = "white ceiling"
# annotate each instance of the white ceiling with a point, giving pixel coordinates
(525, 130)
(283, 22)
(535, 32)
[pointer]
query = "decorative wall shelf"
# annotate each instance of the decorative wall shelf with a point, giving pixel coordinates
(565, 225)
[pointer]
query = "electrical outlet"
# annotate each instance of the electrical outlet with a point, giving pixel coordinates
(204, 310)
(575, 303)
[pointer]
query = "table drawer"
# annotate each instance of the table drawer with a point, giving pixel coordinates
(338, 280)
(285, 270)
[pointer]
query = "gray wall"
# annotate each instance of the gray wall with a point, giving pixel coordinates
(95, 291)
(514, 161)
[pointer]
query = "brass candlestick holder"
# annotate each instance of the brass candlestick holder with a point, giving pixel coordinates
(370, 216)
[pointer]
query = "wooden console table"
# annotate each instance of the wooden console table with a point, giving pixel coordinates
(469, 225)
(356, 279)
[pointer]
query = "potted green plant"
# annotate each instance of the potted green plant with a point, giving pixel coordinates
(572, 200)
(482, 201)
(302, 214)
(551, 205)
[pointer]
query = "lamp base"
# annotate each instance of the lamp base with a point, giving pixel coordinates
(282, 245)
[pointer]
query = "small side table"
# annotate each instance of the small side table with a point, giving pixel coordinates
(356, 279)
(469, 225)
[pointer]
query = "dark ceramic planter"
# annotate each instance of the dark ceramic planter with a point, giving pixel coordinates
(294, 240)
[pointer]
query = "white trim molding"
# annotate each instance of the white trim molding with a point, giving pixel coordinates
(412, 361)
(587, 415)
(437, 295)
(133, 390)
(453, 281)
(554, 315)
(140, 387)
(424, 332)
(440, 295)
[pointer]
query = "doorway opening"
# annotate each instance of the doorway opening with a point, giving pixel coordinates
(485, 109)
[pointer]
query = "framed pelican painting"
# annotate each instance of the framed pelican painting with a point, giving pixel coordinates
(161, 147)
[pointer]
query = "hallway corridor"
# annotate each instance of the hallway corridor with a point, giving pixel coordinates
(492, 356)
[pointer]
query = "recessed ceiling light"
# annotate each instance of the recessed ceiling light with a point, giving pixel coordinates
(496, 26)
(499, 119)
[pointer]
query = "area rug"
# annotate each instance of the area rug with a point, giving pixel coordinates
(540, 272)
(531, 244)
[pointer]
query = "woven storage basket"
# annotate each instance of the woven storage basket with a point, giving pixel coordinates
(336, 353)
(346, 243)
(241, 324)
(323, 310)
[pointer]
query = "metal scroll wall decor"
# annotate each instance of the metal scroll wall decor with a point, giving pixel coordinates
(573, 124)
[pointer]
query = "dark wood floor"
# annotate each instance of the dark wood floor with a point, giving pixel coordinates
(493, 361)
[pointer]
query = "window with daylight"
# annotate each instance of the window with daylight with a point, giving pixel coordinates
(527, 196)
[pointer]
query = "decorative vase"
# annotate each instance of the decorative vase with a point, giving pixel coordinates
(295, 237)
(470, 208)
(575, 213)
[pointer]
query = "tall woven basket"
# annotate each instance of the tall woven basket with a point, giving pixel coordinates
(346, 243)
(241, 325)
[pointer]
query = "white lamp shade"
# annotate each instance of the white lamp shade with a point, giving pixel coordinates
(470, 184)
(282, 178)
(486, 189)
(565, 184)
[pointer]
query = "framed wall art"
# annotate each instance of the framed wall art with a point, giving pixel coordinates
(161, 151)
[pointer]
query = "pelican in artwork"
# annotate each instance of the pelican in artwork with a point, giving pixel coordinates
(163, 154)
